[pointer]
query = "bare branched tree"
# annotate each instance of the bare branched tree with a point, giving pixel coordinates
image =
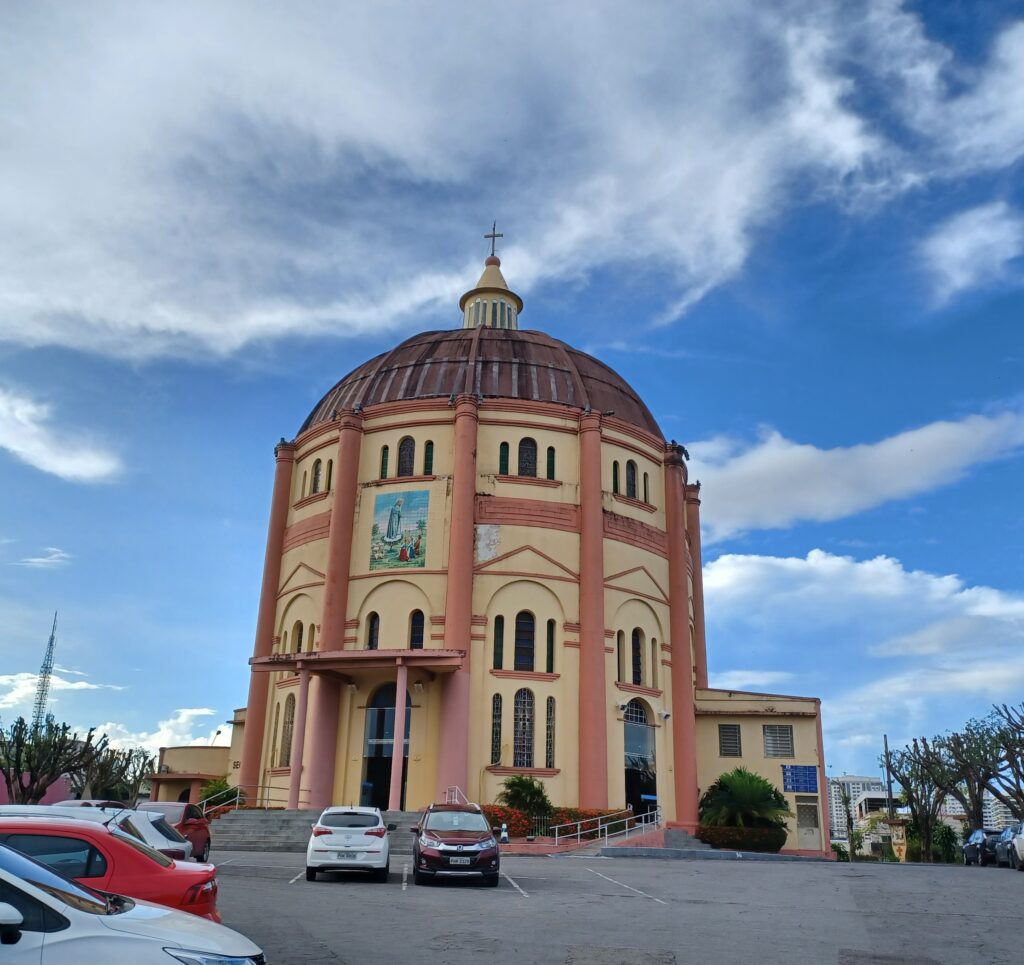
(923, 796)
(31, 760)
(1007, 784)
(117, 774)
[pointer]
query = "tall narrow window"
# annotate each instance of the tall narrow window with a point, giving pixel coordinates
(297, 637)
(330, 475)
(549, 663)
(729, 741)
(416, 630)
(551, 462)
(522, 729)
(527, 457)
(406, 457)
(494, 314)
(503, 459)
(524, 641)
(318, 468)
(620, 654)
(496, 729)
(310, 637)
(655, 662)
(647, 488)
(428, 459)
(638, 657)
(549, 736)
(615, 477)
(372, 631)
(499, 642)
(631, 479)
(501, 315)
(305, 480)
(384, 462)
(287, 729)
(275, 749)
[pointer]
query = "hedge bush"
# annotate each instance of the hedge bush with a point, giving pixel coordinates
(769, 840)
(520, 825)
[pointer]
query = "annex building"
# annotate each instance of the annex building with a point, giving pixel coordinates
(484, 559)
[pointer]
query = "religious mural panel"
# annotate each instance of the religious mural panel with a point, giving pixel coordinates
(399, 536)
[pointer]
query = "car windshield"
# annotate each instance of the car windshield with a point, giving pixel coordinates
(456, 821)
(55, 884)
(348, 819)
(160, 859)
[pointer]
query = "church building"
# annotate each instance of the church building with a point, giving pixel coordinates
(484, 559)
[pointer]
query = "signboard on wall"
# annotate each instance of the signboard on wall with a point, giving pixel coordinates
(800, 778)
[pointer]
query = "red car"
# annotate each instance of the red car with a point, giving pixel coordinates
(107, 859)
(455, 841)
(188, 821)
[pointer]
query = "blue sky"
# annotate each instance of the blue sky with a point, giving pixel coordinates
(798, 231)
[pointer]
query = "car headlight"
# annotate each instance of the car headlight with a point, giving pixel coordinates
(488, 843)
(426, 842)
(190, 957)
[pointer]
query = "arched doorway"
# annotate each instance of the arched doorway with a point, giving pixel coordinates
(641, 767)
(379, 745)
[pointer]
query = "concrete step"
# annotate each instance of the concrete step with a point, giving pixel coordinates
(684, 841)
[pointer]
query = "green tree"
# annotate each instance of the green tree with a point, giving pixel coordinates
(1007, 784)
(920, 793)
(114, 774)
(525, 794)
(742, 799)
(32, 759)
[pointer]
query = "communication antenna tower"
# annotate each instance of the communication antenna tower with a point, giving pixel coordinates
(43, 687)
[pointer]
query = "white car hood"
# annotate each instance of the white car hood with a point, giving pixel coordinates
(180, 930)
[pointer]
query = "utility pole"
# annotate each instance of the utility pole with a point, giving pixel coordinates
(888, 776)
(43, 686)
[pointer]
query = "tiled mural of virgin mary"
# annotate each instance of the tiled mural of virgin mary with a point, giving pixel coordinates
(399, 536)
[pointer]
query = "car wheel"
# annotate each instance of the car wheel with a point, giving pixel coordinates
(310, 874)
(967, 861)
(418, 878)
(381, 874)
(491, 880)
(205, 856)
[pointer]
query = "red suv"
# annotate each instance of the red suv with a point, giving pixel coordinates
(454, 841)
(188, 821)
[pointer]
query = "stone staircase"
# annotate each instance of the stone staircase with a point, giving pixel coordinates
(683, 840)
(248, 829)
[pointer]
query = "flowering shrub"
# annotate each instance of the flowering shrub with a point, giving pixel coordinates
(519, 824)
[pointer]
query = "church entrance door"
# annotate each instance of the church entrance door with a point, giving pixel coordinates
(379, 745)
(641, 766)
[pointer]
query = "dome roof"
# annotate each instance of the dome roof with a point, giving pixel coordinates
(493, 363)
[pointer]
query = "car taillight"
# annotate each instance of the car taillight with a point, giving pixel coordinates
(204, 891)
(176, 854)
(376, 832)
(318, 831)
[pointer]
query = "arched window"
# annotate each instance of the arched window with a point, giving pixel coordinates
(275, 749)
(636, 713)
(655, 662)
(620, 655)
(330, 475)
(647, 488)
(310, 637)
(318, 468)
(384, 453)
(297, 637)
(551, 462)
(416, 630)
(638, 657)
(527, 457)
(305, 479)
(499, 642)
(549, 736)
(494, 314)
(287, 729)
(372, 631)
(496, 729)
(522, 729)
(524, 641)
(407, 457)
(428, 459)
(503, 459)
(549, 663)
(631, 479)
(615, 477)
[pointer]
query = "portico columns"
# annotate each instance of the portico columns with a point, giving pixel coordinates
(700, 647)
(453, 754)
(398, 748)
(593, 696)
(684, 724)
(298, 740)
(323, 743)
(259, 683)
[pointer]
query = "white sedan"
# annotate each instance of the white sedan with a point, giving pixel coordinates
(47, 919)
(349, 839)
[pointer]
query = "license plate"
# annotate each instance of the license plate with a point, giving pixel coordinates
(460, 860)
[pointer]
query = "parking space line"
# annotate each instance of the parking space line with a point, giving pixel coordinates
(514, 885)
(222, 863)
(624, 885)
(405, 876)
(296, 878)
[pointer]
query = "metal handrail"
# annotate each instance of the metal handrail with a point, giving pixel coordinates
(630, 822)
(453, 794)
(232, 797)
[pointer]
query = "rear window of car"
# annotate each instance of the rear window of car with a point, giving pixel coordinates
(160, 823)
(456, 821)
(173, 812)
(349, 819)
(160, 859)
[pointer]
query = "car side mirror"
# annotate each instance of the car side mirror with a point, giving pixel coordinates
(415, 829)
(392, 827)
(11, 921)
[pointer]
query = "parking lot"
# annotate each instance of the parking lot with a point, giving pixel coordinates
(623, 911)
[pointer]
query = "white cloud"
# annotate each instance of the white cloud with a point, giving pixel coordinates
(178, 730)
(775, 482)
(52, 557)
(749, 679)
(972, 248)
(27, 433)
(18, 691)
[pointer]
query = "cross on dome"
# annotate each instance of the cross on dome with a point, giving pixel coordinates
(494, 236)
(491, 304)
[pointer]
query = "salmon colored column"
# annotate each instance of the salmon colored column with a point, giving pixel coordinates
(259, 683)
(453, 754)
(593, 738)
(684, 724)
(398, 748)
(700, 646)
(323, 740)
(298, 740)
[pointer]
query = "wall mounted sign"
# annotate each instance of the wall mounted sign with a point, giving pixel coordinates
(800, 778)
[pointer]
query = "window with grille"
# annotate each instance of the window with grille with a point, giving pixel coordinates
(503, 459)
(330, 474)
(372, 631)
(549, 663)
(635, 713)
(615, 477)
(551, 462)
(496, 729)
(638, 657)
(416, 630)
(499, 642)
(317, 473)
(524, 641)
(407, 457)
(527, 457)
(549, 736)
(428, 459)
(778, 740)
(287, 729)
(620, 656)
(729, 744)
(384, 452)
(631, 479)
(522, 729)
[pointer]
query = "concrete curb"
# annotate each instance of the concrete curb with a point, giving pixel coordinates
(693, 854)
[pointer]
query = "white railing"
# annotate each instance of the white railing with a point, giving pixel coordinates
(263, 796)
(621, 824)
(454, 795)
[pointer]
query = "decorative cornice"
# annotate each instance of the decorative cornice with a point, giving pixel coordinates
(524, 675)
(311, 498)
(397, 480)
(635, 503)
(635, 689)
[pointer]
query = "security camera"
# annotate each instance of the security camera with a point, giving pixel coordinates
(623, 705)
(664, 714)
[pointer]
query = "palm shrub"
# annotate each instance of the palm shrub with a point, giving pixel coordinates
(745, 811)
(525, 794)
